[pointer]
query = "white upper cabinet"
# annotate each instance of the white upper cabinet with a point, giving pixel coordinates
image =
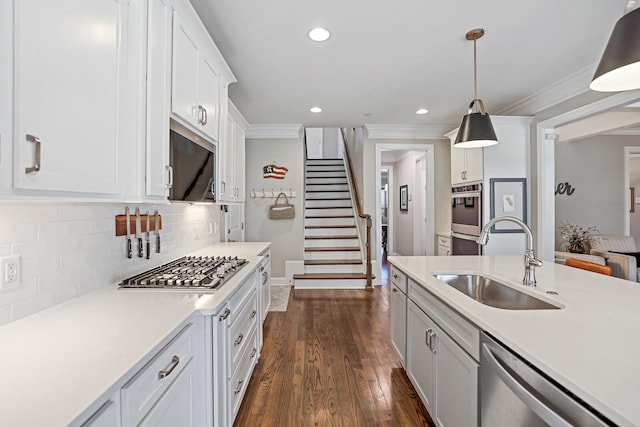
(72, 102)
(466, 163)
(159, 37)
(232, 157)
(196, 83)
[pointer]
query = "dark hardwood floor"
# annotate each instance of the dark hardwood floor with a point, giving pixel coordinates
(327, 361)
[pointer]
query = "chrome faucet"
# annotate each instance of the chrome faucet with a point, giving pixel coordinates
(530, 260)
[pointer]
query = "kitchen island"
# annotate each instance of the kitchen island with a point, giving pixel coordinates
(58, 366)
(590, 345)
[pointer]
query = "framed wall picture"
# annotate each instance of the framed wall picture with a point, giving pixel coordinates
(508, 197)
(404, 198)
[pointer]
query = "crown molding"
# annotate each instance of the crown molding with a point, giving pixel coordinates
(282, 131)
(573, 85)
(407, 131)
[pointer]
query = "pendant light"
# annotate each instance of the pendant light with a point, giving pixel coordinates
(619, 68)
(475, 129)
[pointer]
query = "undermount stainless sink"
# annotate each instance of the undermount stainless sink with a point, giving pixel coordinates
(493, 293)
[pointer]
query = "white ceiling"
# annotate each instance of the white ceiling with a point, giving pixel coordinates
(389, 58)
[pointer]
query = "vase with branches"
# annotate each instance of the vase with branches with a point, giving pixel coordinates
(575, 237)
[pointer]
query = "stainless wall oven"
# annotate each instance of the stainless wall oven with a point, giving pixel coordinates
(466, 219)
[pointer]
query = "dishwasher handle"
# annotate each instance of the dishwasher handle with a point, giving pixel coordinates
(527, 397)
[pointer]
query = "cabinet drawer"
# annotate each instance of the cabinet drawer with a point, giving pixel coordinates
(145, 388)
(239, 298)
(444, 250)
(399, 279)
(444, 241)
(460, 329)
(240, 379)
(241, 329)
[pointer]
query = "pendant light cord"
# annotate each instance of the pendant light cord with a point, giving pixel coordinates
(475, 72)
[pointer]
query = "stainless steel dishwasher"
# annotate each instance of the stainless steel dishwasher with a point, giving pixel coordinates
(514, 393)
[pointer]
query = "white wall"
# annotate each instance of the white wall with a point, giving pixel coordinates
(331, 143)
(634, 181)
(595, 169)
(70, 249)
(508, 159)
(402, 228)
(442, 172)
(286, 235)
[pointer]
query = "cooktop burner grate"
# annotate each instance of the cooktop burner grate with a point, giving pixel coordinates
(189, 272)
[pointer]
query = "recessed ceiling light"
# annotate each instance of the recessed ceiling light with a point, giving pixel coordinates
(319, 34)
(315, 109)
(422, 111)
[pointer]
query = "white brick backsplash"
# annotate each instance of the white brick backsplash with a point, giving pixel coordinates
(52, 230)
(5, 250)
(70, 249)
(5, 315)
(17, 232)
(28, 213)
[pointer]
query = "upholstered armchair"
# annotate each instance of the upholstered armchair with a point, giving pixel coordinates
(562, 257)
(620, 252)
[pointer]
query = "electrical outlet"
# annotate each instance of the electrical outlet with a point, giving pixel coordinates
(9, 271)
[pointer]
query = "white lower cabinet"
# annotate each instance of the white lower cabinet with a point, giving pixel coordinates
(107, 416)
(170, 389)
(399, 323)
(444, 375)
(235, 350)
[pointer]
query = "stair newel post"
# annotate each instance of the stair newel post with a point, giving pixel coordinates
(369, 285)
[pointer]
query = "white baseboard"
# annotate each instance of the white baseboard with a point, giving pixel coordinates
(279, 281)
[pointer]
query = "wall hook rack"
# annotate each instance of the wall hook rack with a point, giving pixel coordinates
(267, 193)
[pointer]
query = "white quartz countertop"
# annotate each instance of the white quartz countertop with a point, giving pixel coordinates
(591, 346)
(58, 362)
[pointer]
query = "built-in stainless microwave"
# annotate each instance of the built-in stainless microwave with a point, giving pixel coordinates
(192, 171)
(466, 209)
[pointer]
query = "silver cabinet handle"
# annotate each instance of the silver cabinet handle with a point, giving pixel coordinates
(213, 188)
(169, 183)
(238, 339)
(223, 187)
(224, 315)
(526, 396)
(238, 387)
(252, 315)
(395, 290)
(265, 278)
(395, 276)
(166, 372)
(428, 338)
(432, 342)
(206, 117)
(36, 165)
(262, 268)
(199, 114)
(253, 353)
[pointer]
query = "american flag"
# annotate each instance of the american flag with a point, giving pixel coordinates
(274, 171)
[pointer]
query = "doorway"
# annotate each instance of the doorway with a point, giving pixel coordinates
(420, 206)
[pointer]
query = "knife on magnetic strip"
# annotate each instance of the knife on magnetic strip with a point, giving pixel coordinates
(128, 219)
(139, 234)
(146, 236)
(157, 231)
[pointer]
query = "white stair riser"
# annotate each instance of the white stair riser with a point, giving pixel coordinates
(327, 174)
(329, 221)
(330, 243)
(324, 162)
(332, 255)
(326, 181)
(323, 212)
(330, 232)
(330, 284)
(324, 168)
(329, 187)
(334, 268)
(327, 203)
(340, 195)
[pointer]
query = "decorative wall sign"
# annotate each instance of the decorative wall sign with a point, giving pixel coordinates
(404, 198)
(508, 197)
(274, 171)
(564, 188)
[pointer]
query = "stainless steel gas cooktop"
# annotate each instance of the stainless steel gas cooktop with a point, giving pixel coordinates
(190, 272)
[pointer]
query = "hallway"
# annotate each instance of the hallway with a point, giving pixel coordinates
(328, 361)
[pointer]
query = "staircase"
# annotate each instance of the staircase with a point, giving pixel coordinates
(332, 254)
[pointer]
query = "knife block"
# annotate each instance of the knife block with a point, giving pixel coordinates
(121, 224)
